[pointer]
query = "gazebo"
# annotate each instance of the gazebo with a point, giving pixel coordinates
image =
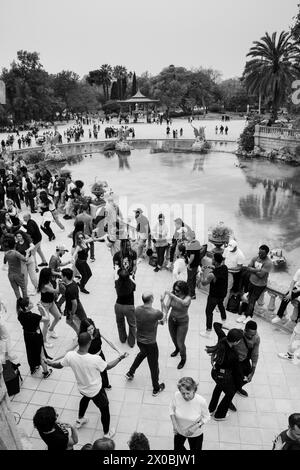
(139, 103)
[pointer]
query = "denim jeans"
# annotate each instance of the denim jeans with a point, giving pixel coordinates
(122, 312)
(149, 351)
(18, 281)
(254, 294)
(161, 250)
(211, 304)
(284, 304)
(191, 280)
(178, 330)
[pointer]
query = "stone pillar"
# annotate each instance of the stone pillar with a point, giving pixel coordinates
(9, 437)
(271, 305)
(256, 136)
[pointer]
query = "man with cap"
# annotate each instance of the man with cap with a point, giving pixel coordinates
(216, 277)
(143, 232)
(55, 264)
(234, 260)
(247, 351)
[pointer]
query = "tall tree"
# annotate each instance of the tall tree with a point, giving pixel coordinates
(28, 88)
(134, 85)
(273, 66)
(295, 30)
(114, 91)
(120, 73)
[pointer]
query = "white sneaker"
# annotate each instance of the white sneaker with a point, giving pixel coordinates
(110, 433)
(241, 318)
(246, 320)
(286, 356)
(205, 334)
(139, 260)
(52, 334)
(48, 345)
(80, 422)
(276, 320)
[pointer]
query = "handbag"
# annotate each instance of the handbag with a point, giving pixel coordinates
(12, 378)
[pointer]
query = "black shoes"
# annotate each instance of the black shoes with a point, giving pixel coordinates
(129, 376)
(84, 291)
(43, 264)
(181, 364)
(242, 392)
(161, 389)
(174, 353)
(232, 407)
(156, 269)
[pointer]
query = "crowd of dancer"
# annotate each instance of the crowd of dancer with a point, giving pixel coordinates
(63, 278)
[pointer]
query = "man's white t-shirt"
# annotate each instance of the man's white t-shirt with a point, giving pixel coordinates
(87, 368)
(296, 278)
(233, 258)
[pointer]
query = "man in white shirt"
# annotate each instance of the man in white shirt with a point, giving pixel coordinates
(293, 293)
(234, 260)
(87, 369)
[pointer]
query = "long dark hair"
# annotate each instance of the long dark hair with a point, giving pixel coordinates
(78, 227)
(182, 286)
(182, 251)
(85, 323)
(217, 352)
(45, 278)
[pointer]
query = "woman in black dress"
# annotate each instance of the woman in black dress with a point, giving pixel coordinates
(96, 345)
(33, 337)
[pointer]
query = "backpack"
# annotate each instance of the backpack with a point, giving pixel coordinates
(233, 303)
(12, 378)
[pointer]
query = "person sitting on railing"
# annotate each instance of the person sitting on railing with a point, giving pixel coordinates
(292, 294)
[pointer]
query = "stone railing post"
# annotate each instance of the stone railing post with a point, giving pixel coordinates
(9, 437)
(256, 135)
(271, 305)
(261, 300)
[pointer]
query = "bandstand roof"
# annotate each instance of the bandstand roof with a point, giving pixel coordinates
(138, 98)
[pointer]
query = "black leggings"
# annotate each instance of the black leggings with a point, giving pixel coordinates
(47, 230)
(101, 401)
(195, 443)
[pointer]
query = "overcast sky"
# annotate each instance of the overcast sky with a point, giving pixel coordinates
(140, 34)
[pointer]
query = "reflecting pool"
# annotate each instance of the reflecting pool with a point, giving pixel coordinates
(258, 199)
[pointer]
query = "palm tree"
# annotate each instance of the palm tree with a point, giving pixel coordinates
(106, 78)
(273, 67)
(120, 73)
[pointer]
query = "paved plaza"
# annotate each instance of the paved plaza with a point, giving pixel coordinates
(273, 394)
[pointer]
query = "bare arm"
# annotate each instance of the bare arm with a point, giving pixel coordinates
(113, 363)
(210, 278)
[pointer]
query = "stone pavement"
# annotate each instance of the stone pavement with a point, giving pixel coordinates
(273, 394)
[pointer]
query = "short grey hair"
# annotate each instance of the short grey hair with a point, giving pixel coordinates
(188, 383)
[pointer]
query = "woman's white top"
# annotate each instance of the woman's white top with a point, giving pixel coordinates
(188, 412)
(180, 270)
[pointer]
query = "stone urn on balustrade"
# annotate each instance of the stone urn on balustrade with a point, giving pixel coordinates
(219, 235)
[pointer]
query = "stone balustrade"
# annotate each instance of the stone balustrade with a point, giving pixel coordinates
(276, 138)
